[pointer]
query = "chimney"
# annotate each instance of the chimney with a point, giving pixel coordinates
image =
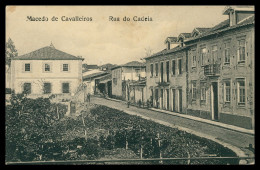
(238, 13)
(52, 46)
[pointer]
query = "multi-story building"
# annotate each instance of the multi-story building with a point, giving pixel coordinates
(166, 77)
(221, 70)
(123, 75)
(46, 71)
(210, 74)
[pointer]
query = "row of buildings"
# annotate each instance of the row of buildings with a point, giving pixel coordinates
(208, 73)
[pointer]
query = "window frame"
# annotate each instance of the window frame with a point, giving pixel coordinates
(225, 91)
(238, 91)
(227, 48)
(179, 66)
(203, 56)
(29, 83)
(167, 74)
(29, 67)
(193, 90)
(67, 67)
(193, 64)
(203, 88)
(239, 61)
(44, 92)
(115, 81)
(63, 88)
(214, 53)
(151, 69)
(173, 66)
(156, 69)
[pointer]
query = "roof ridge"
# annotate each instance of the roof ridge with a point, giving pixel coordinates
(47, 53)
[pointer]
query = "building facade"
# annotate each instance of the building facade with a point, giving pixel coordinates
(217, 71)
(166, 78)
(46, 71)
(92, 80)
(221, 71)
(125, 74)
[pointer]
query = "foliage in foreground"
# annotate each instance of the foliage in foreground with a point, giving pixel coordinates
(37, 130)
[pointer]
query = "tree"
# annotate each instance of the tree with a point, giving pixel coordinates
(10, 52)
(148, 52)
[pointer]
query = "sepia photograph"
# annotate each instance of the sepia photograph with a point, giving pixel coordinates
(130, 85)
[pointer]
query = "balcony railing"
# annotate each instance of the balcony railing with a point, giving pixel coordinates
(212, 70)
(163, 83)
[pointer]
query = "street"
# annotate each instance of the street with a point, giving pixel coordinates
(238, 139)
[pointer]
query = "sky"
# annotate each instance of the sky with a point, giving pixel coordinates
(101, 41)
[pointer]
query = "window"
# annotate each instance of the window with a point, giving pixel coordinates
(203, 56)
(65, 87)
(194, 60)
(156, 97)
(27, 67)
(227, 91)
(151, 97)
(180, 66)
(161, 71)
(47, 88)
(227, 53)
(47, 67)
(27, 88)
(241, 51)
(214, 53)
(167, 71)
(202, 92)
(241, 91)
(115, 81)
(137, 72)
(151, 69)
(65, 67)
(156, 69)
(193, 90)
(173, 67)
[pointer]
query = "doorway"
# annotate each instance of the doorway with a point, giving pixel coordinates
(173, 100)
(214, 100)
(161, 98)
(180, 100)
(168, 100)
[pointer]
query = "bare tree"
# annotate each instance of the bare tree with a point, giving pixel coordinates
(148, 53)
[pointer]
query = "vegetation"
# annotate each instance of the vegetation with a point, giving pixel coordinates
(36, 129)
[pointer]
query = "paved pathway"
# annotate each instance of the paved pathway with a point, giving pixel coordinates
(235, 138)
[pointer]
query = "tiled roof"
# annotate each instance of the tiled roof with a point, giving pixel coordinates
(202, 30)
(130, 64)
(133, 64)
(186, 35)
(224, 26)
(248, 20)
(164, 52)
(47, 53)
(90, 66)
(221, 27)
(94, 75)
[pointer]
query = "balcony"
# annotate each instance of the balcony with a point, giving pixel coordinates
(212, 70)
(162, 84)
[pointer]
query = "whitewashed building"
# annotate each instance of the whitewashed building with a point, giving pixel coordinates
(123, 76)
(46, 71)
